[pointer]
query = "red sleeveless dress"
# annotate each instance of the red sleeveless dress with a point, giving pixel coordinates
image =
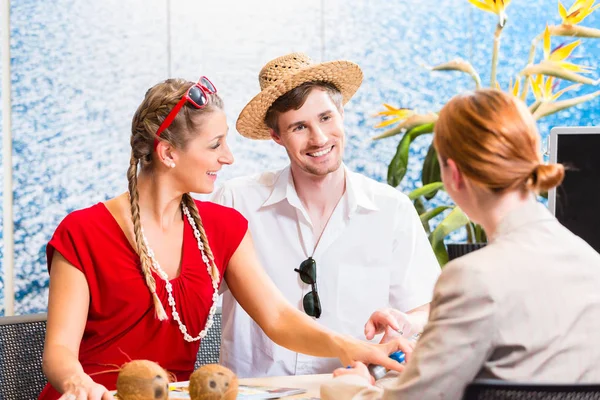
(121, 324)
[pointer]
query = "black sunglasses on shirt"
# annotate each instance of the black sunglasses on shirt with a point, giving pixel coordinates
(308, 274)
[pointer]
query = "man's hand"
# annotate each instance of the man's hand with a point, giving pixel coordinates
(355, 368)
(392, 323)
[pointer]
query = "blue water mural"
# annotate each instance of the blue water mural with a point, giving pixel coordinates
(79, 71)
(81, 68)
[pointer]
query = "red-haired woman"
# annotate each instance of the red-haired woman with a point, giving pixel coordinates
(524, 308)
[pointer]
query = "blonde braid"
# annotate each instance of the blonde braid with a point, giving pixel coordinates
(191, 205)
(157, 104)
(139, 241)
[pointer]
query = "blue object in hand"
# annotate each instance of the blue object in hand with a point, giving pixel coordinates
(378, 372)
(398, 356)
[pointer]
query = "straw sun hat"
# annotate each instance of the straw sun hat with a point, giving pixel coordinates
(285, 73)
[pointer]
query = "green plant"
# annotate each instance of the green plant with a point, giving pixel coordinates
(543, 77)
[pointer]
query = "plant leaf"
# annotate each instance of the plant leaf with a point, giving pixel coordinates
(428, 215)
(420, 207)
(453, 221)
(470, 227)
(399, 164)
(480, 236)
(456, 219)
(425, 190)
(431, 170)
(441, 253)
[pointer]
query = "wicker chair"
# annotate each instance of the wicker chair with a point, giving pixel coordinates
(502, 390)
(21, 348)
(22, 345)
(211, 344)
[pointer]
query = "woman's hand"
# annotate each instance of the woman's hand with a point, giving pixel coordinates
(85, 389)
(392, 323)
(356, 368)
(352, 350)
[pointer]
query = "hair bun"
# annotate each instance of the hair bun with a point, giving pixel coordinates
(545, 177)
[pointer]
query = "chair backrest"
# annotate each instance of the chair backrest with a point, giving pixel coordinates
(211, 344)
(489, 389)
(21, 348)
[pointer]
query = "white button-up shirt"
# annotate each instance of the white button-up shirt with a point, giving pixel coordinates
(373, 253)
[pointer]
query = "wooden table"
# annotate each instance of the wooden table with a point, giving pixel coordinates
(312, 383)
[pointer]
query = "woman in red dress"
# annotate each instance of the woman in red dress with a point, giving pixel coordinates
(137, 276)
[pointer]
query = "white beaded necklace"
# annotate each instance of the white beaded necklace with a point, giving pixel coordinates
(212, 272)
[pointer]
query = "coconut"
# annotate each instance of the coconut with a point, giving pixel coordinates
(142, 380)
(213, 382)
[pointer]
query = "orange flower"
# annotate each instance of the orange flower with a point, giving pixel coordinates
(494, 6)
(543, 88)
(578, 11)
(559, 54)
(398, 115)
(512, 88)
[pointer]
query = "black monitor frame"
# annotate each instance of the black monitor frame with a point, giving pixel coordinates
(572, 219)
(553, 151)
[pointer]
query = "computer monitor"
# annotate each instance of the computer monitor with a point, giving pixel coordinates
(576, 202)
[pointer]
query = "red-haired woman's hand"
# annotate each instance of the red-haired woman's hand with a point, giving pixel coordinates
(355, 368)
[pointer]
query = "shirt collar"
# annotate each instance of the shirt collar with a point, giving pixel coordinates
(530, 212)
(283, 188)
(356, 194)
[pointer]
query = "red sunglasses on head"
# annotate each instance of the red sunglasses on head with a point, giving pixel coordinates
(197, 95)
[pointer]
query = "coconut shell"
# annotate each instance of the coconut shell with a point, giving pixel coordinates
(213, 382)
(142, 380)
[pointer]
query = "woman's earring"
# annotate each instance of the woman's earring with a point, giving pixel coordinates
(172, 165)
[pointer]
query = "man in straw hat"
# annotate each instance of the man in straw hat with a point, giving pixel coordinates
(336, 243)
